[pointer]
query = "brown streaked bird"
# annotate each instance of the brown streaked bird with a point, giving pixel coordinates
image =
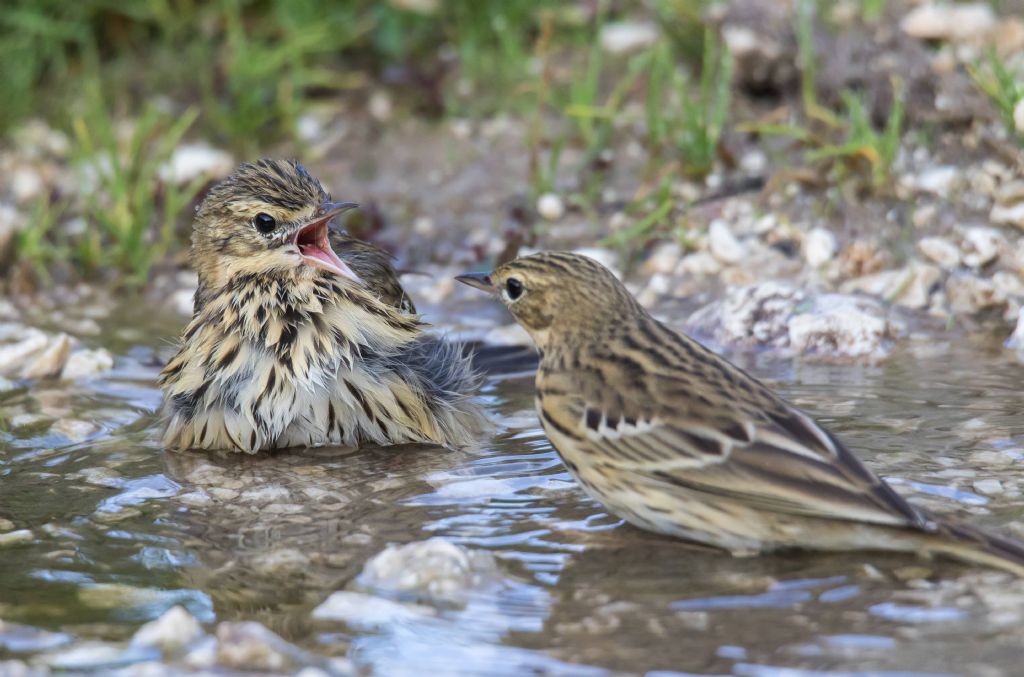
(295, 342)
(675, 439)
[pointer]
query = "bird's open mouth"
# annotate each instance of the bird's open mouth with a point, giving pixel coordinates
(314, 245)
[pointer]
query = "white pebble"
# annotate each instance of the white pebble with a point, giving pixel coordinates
(309, 128)
(663, 259)
(25, 184)
(87, 363)
(941, 251)
(550, 206)
(1012, 215)
(957, 23)
(981, 245)
(15, 537)
(182, 301)
(424, 225)
(988, 487)
(380, 106)
(627, 36)
(723, 244)
(367, 612)
(937, 180)
(819, 247)
(1018, 116)
(74, 429)
(508, 335)
(193, 160)
(174, 629)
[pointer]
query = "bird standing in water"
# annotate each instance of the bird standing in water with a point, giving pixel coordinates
(304, 337)
(675, 439)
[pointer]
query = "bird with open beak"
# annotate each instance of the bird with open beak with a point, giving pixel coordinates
(289, 345)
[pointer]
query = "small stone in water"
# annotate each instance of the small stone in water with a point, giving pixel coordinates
(176, 628)
(1018, 116)
(73, 429)
(50, 360)
(550, 206)
(510, 334)
(15, 638)
(94, 656)
(15, 537)
(182, 301)
(988, 487)
(251, 646)
(366, 612)
(87, 363)
(283, 560)
(436, 569)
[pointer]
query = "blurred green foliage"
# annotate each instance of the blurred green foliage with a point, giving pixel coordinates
(251, 63)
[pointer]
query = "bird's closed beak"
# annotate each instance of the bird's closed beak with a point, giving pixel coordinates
(481, 281)
(314, 245)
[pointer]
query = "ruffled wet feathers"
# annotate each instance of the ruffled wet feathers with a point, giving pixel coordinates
(302, 335)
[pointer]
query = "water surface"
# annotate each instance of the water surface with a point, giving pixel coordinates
(122, 530)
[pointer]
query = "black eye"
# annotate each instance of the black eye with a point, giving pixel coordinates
(265, 223)
(514, 288)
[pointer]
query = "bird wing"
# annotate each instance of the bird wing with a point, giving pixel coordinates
(751, 447)
(373, 266)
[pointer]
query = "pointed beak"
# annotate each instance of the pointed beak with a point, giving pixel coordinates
(314, 245)
(481, 281)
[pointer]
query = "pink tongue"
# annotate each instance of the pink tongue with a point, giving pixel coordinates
(329, 259)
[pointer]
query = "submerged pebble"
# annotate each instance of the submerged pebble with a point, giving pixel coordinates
(16, 638)
(87, 363)
(16, 537)
(251, 646)
(434, 570)
(175, 629)
(366, 612)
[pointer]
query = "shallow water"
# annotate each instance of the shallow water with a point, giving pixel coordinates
(122, 531)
